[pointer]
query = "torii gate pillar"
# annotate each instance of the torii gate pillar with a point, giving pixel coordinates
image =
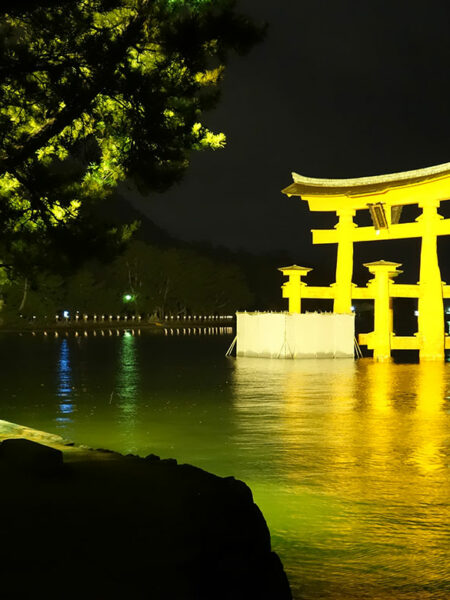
(431, 304)
(344, 262)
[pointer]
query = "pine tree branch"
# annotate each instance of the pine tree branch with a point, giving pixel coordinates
(81, 102)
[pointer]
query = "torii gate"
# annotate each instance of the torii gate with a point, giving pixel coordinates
(384, 196)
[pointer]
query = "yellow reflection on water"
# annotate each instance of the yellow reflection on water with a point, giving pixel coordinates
(360, 478)
(430, 428)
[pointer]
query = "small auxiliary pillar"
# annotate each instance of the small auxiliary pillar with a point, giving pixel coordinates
(292, 289)
(383, 272)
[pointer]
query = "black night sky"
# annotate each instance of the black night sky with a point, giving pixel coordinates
(338, 89)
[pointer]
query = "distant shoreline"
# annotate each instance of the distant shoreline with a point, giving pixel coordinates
(157, 327)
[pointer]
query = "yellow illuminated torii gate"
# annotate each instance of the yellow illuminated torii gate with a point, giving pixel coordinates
(384, 196)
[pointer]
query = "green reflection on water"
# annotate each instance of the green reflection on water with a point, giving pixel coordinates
(127, 388)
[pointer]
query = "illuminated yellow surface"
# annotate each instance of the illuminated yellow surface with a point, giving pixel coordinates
(293, 288)
(431, 305)
(383, 273)
(400, 231)
(344, 262)
(383, 196)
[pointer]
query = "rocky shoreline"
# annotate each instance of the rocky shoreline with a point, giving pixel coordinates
(96, 524)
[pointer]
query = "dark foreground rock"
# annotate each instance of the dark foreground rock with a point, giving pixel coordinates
(100, 525)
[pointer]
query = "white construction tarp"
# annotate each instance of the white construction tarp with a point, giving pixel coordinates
(290, 335)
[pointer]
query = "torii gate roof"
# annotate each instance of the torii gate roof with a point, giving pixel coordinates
(406, 187)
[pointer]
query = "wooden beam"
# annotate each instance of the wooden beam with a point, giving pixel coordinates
(317, 292)
(404, 342)
(370, 234)
(400, 290)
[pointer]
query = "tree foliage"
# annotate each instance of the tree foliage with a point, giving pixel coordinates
(159, 281)
(179, 281)
(96, 91)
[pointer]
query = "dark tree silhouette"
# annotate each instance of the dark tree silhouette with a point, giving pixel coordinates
(93, 92)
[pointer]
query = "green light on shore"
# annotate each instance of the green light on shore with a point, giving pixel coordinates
(128, 298)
